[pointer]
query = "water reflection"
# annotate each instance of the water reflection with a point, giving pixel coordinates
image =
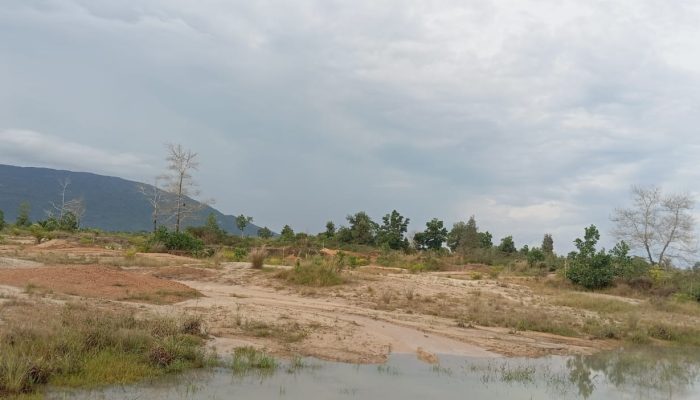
(644, 372)
(620, 374)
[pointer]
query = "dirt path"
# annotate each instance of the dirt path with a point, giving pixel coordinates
(240, 310)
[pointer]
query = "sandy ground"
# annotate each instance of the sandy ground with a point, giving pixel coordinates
(241, 306)
(339, 324)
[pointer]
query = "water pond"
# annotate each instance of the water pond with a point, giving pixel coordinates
(620, 374)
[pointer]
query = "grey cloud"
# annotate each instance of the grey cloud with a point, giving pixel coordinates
(517, 111)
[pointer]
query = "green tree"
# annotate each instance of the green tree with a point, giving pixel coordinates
(548, 244)
(485, 240)
(212, 225)
(287, 233)
(2, 220)
(242, 221)
(344, 235)
(432, 238)
(507, 245)
(362, 228)
(588, 267)
(535, 256)
(626, 266)
(525, 250)
(393, 230)
(330, 229)
(210, 233)
(23, 215)
(264, 233)
(464, 236)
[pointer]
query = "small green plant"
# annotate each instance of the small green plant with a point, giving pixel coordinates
(240, 254)
(248, 359)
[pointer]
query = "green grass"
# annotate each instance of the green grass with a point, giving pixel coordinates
(248, 360)
(108, 368)
(79, 346)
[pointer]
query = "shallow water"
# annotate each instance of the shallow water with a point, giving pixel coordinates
(621, 374)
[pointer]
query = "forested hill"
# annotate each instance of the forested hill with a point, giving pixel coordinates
(112, 204)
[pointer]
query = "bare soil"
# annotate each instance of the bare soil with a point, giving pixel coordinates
(97, 282)
(381, 310)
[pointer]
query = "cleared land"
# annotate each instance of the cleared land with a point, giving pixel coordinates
(377, 311)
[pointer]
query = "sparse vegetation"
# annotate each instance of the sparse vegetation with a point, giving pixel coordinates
(317, 272)
(250, 360)
(77, 345)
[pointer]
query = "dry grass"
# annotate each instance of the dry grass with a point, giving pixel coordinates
(257, 258)
(317, 275)
(80, 345)
(592, 303)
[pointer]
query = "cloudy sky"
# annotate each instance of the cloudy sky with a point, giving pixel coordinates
(535, 116)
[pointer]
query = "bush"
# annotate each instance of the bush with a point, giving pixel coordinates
(176, 241)
(257, 258)
(588, 268)
(592, 273)
(313, 274)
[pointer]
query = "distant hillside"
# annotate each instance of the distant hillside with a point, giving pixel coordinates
(112, 204)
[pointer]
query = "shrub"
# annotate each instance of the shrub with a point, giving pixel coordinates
(313, 274)
(240, 254)
(2, 220)
(535, 256)
(176, 241)
(588, 268)
(39, 232)
(257, 258)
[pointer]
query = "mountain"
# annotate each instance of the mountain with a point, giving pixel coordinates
(112, 204)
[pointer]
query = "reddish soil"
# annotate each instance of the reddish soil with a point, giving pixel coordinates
(98, 282)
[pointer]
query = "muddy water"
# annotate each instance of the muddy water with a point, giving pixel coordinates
(622, 374)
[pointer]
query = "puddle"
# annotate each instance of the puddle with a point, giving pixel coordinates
(621, 374)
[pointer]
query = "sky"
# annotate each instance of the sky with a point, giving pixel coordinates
(534, 116)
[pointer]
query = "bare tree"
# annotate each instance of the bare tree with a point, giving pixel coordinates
(65, 205)
(660, 225)
(77, 208)
(155, 198)
(181, 163)
(59, 208)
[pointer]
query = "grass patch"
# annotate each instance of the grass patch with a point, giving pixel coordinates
(592, 303)
(248, 360)
(80, 346)
(317, 275)
(287, 333)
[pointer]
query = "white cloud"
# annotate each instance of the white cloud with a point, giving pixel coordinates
(29, 148)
